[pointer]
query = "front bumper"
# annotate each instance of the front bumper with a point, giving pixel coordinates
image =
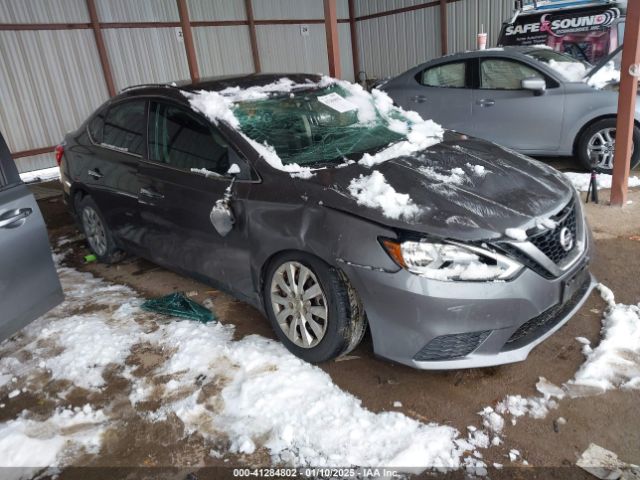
(429, 324)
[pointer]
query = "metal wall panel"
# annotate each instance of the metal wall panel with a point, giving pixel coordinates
(346, 63)
(203, 10)
(368, 7)
(36, 162)
(51, 81)
(283, 49)
(145, 55)
(137, 10)
(43, 11)
(295, 9)
(391, 44)
(466, 17)
(223, 50)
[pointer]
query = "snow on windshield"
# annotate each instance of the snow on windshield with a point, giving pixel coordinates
(331, 121)
(573, 70)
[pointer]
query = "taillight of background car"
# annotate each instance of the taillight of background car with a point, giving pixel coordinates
(59, 153)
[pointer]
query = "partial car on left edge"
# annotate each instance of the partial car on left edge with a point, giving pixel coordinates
(29, 284)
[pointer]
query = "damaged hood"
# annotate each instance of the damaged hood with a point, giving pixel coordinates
(464, 188)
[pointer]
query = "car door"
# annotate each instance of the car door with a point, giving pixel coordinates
(182, 178)
(509, 115)
(29, 285)
(441, 93)
(112, 162)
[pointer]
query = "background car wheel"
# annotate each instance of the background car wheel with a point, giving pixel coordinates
(98, 235)
(596, 146)
(312, 307)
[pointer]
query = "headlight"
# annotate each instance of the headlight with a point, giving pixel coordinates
(451, 261)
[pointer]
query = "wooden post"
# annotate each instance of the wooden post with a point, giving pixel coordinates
(248, 6)
(443, 27)
(333, 47)
(187, 36)
(355, 51)
(626, 106)
(102, 51)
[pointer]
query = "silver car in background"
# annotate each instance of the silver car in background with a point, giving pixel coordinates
(531, 99)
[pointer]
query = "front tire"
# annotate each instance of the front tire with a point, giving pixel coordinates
(596, 146)
(312, 308)
(97, 232)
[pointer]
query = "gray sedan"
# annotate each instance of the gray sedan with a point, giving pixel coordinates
(533, 100)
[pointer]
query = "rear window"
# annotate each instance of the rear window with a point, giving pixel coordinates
(124, 127)
(451, 75)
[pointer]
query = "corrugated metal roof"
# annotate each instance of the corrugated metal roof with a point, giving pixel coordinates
(137, 11)
(43, 11)
(295, 9)
(203, 10)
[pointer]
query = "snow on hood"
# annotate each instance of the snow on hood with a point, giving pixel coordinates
(420, 133)
(469, 187)
(578, 72)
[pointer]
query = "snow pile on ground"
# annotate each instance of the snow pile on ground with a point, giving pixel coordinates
(615, 362)
(41, 175)
(252, 392)
(30, 443)
(373, 191)
(420, 133)
(581, 180)
(571, 71)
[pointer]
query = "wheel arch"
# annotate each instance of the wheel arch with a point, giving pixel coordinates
(591, 122)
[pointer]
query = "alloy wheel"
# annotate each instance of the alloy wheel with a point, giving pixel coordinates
(94, 231)
(601, 148)
(299, 304)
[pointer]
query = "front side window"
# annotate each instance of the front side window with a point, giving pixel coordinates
(451, 75)
(180, 139)
(124, 127)
(498, 74)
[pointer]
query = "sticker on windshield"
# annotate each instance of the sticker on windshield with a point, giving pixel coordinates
(337, 103)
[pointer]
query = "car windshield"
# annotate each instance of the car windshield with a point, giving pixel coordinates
(322, 125)
(547, 55)
(571, 69)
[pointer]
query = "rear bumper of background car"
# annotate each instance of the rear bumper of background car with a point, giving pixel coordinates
(430, 324)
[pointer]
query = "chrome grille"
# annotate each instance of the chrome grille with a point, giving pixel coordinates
(548, 241)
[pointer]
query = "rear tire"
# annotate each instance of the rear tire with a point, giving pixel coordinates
(99, 237)
(312, 308)
(596, 146)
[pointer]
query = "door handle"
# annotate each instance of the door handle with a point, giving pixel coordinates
(95, 174)
(419, 98)
(486, 102)
(16, 217)
(146, 192)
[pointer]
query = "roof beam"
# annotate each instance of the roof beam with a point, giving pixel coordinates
(333, 46)
(626, 106)
(102, 50)
(187, 36)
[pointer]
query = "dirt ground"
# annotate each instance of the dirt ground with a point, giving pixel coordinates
(454, 398)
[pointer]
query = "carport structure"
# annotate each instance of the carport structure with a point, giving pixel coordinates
(62, 58)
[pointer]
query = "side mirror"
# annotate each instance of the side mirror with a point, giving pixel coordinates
(535, 84)
(221, 216)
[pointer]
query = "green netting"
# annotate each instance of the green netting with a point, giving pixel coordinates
(304, 130)
(178, 305)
